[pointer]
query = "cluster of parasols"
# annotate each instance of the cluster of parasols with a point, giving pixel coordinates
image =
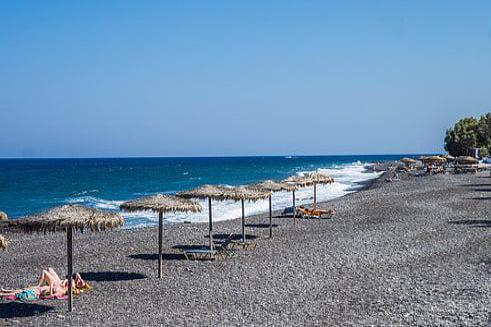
(440, 160)
(70, 218)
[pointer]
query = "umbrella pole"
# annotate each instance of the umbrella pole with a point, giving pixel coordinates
(315, 195)
(294, 209)
(161, 232)
(243, 222)
(210, 224)
(69, 239)
(270, 218)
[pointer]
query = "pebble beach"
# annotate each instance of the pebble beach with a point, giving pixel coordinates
(410, 252)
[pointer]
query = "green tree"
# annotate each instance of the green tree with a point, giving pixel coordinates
(484, 134)
(469, 133)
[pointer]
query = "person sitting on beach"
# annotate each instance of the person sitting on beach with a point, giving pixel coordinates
(50, 286)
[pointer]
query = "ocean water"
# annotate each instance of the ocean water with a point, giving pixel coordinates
(31, 185)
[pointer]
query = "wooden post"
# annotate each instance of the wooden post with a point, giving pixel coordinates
(270, 218)
(294, 209)
(161, 236)
(69, 239)
(243, 222)
(210, 224)
(315, 195)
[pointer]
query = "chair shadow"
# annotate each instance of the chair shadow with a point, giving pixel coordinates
(260, 225)
(475, 185)
(233, 237)
(186, 247)
(22, 310)
(482, 189)
(155, 256)
(284, 216)
(472, 222)
(110, 276)
(481, 198)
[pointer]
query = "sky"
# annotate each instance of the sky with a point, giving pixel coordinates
(231, 78)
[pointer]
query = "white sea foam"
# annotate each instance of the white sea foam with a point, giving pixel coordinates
(96, 202)
(346, 177)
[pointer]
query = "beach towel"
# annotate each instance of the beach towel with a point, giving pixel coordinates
(23, 296)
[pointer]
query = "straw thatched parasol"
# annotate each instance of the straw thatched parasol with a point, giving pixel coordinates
(222, 193)
(69, 218)
(424, 159)
(3, 216)
(160, 203)
(466, 160)
(408, 161)
(431, 160)
(243, 193)
(310, 179)
(3, 243)
(273, 186)
(438, 160)
(319, 178)
(210, 192)
(299, 181)
(449, 157)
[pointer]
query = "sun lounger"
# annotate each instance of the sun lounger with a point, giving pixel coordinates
(224, 246)
(202, 254)
(221, 251)
(247, 245)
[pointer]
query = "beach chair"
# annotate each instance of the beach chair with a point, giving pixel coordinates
(221, 251)
(230, 243)
(247, 245)
(202, 254)
(224, 246)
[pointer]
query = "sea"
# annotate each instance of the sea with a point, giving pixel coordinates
(32, 185)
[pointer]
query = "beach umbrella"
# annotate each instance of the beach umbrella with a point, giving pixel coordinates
(319, 178)
(242, 194)
(309, 179)
(207, 192)
(299, 181)
(408, 161)
(222, 193)
(466, 160)
(3, 216)
(3, 243)
(273, 186)
(429, 160)
(160, 203)
(425, 159)
(449, 157)
(69, 218)
(438, 160)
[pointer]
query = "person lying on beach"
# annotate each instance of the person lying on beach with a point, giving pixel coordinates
(50, 286)
(316, 212)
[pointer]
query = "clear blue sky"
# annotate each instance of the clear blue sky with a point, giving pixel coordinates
(192, 78)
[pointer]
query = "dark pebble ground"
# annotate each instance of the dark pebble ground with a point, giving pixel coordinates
(415, 252)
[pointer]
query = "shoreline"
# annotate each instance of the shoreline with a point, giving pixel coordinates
(364, 185)
(161, 177)
(411, 252)
(357, 187)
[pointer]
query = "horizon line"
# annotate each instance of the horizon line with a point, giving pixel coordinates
(216, 156)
